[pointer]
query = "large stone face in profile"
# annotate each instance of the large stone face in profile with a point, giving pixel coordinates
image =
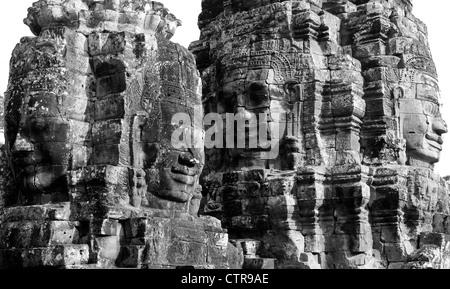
(352, 99)
(97, 180)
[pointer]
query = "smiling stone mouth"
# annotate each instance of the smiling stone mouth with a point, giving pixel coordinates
(184, 175)
(184, 170)
(435, 141)
(183, 179)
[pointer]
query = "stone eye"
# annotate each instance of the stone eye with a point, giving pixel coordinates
(258, 92)
(431, 109)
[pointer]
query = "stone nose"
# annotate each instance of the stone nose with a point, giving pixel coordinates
(440, 126)
(243, 114)
(22, 145)
(187, 159)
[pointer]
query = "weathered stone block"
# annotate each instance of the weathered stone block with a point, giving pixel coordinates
(108, 247)
(250, 247)
(395, 252)
(106, 43)
(217, 239)
(315, 243)
(391, 234)
(58, 256)
(132, 256)
(29, 234)
(60, 212)
(427, 257)
(251, 223)
(259, 263)
(436, 239)
(111, 84)
(112, 155)
(107, 132)
(219, 255)
(187, 234)
(106, 227)
(110, 108)
(370, 49)
(183, 253)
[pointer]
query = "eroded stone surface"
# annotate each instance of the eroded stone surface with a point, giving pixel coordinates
(347, 92)
(353, 87)
(89, 111)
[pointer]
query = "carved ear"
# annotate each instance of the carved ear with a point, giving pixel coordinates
(295, 90)
(289, 86)
(398, 93)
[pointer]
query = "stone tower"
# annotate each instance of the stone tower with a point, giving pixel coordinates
(94, 180)
(349, 95)
(328, 112)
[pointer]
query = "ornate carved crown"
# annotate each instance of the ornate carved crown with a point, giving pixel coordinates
(136, 16)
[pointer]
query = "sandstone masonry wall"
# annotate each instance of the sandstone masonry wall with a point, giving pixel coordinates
(354, 88)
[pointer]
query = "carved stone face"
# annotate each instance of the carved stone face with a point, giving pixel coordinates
(423, 125)
(45, 113)
(173, 161)
(247, 99)
(41, 156)
(257, 88)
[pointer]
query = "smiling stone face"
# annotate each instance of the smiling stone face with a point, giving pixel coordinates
(46, 112)
(260, 87)
(423, 126)
(172, 169)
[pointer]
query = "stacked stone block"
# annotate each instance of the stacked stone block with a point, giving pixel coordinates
(101, 81)
(366, 81)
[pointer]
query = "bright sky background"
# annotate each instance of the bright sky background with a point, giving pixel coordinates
(433, 14)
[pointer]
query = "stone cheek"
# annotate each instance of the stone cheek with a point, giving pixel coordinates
(423, 128)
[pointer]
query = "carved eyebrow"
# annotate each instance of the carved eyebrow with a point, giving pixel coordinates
(431, 107)
(429, 97)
